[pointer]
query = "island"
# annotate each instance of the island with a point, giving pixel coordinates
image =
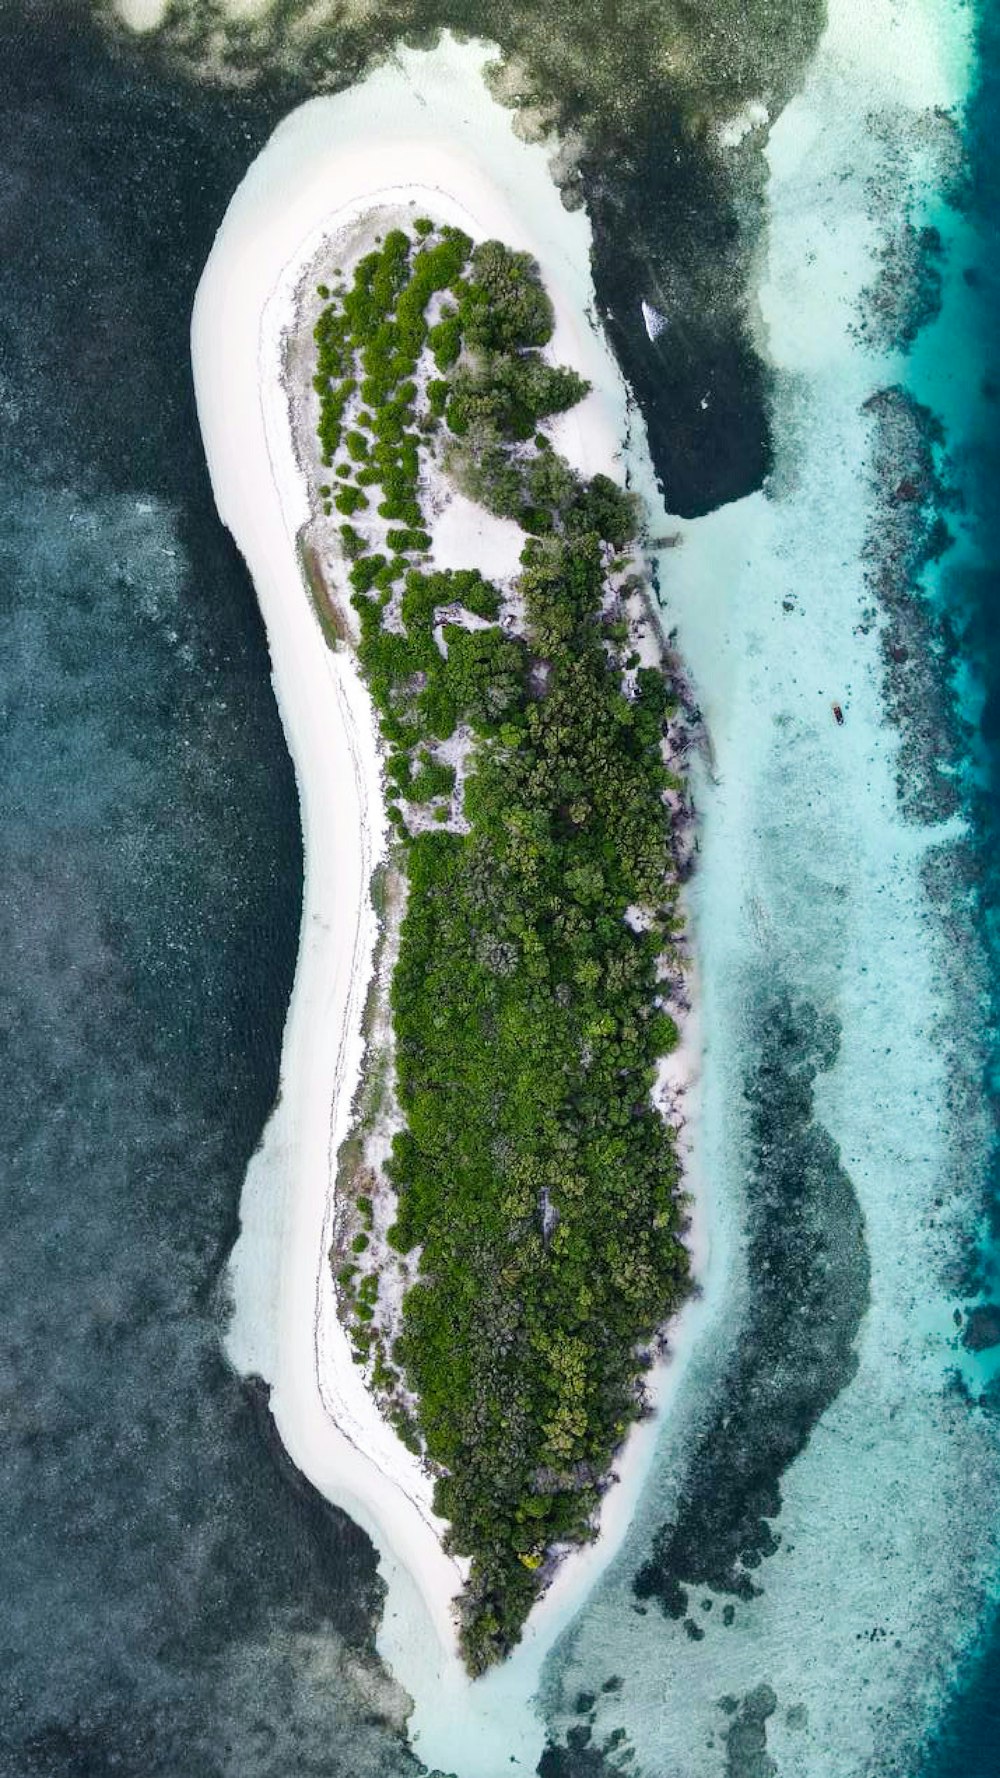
(506, 1240)
(476, 1204)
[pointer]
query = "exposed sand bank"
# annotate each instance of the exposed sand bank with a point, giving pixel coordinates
(423, 131)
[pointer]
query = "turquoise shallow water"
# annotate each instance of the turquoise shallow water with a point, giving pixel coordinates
(969, 1741)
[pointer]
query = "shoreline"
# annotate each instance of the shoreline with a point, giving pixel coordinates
(285, 1325)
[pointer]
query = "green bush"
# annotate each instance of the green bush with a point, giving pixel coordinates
(432, 778)
(484, 469)
(605, 508)
(510, 394)
(365, 572)
(352, 543)
(505, 305)
(349, 500)
(437, 396)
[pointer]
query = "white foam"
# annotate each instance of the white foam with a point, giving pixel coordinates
(752, 116)
(652, 320)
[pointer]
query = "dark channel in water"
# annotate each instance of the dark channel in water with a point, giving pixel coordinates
(808, 1264)
(163, 1575)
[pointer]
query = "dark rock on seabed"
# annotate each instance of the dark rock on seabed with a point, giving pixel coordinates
(982, 1328)
(809, 1263)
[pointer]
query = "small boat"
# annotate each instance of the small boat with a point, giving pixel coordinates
(838, 715)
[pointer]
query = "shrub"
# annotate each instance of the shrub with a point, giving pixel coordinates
(486, 472)
(437, 396)
(603, 507)
(511, 394)
(364, 573)
(445, 339)
(350, 500)
(432, 778)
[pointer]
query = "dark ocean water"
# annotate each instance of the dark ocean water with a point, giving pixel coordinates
(969, 1743)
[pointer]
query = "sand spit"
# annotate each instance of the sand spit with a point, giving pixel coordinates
(421, 132)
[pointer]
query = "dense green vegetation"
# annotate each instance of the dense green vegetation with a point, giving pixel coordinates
(534, 1176)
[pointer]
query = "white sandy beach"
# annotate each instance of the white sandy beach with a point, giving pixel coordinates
(421, 131)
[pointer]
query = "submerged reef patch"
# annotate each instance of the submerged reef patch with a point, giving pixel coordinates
(746, 1736)
(926, 655)
(808, 1265)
